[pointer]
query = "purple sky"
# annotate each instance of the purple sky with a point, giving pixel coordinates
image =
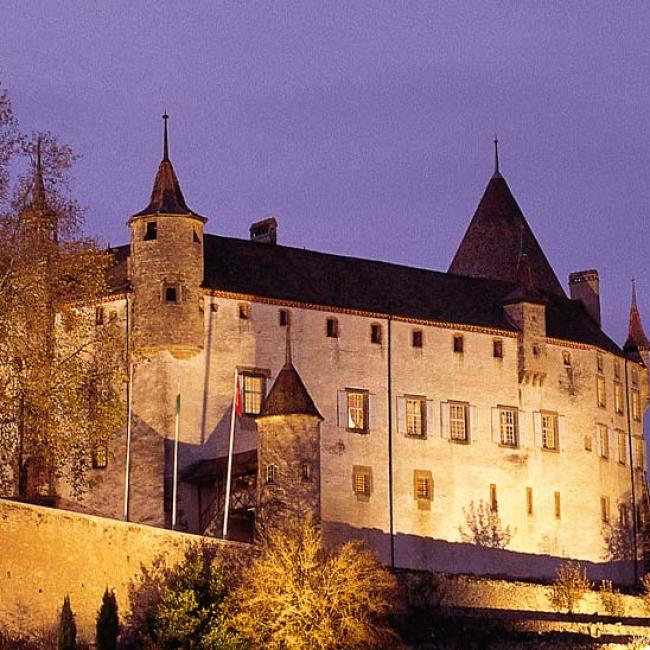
(365, 128)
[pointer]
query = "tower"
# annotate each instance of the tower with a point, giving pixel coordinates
(167, 268)
(288, 450)
(637, 345)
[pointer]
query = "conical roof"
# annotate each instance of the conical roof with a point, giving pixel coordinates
(166, 195)
(496, 234)
(288, 396)
(525, 291)
(636, 339)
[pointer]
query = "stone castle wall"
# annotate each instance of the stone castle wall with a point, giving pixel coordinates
(46, 554)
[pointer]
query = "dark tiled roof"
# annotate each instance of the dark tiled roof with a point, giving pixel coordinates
(494, 239)
(293, 274)
(288, 396)
(637, 339)
(166, 196)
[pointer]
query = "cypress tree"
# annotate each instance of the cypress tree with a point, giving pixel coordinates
(108, 623)
(67, 634)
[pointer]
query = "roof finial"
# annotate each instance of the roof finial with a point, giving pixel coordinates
(288, 361)
(634, 294)
(165, 145)
(497, 173)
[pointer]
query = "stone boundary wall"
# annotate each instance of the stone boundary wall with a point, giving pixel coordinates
(47, 553)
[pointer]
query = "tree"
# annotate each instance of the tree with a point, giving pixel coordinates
(300, 594)
(183, 605)
(483, 526)
(60, 394)
(67, 633)
(569, 586)
(108, 622)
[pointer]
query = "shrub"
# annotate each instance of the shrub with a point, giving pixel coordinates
(645, 593)
(611, 599)
(108, 623)
(569, 586)
(300, 594)
(67, 633)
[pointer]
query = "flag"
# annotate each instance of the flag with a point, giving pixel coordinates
(239, 406)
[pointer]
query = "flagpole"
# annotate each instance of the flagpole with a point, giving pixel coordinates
(175, 477)
(231, 444)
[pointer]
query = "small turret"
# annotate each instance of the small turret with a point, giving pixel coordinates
(526, 308)
(167, 268)
(637, 346)
(288, 450)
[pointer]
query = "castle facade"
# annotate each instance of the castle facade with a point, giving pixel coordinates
(477, 420)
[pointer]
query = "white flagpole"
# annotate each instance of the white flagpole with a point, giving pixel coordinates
(175, 477)
(127, 471)
(231, 444)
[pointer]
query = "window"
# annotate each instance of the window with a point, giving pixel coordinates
(635, 377)
(549, 431)
(332, 328)
(636, 405)
(600, 392)
(638, 453)
(494, 504)
(497, 349)
(588, 443)
(618, 397)
(599, 362)
(622, 447)
(617, 369)
(604, 510)
(362, 482)
(253, 389)
(283, 315)
(508, 426)
(558, 505)
(415, 416)
(423, 488)
(416, 338)
(458, 343)
(357, 410)
(529, 500)
(171, 294)
(271, 474)
(458, 429)
(99, 315)
(375, 334)
(151, 231)
(603, 441)
(566, 359)
(100, 456)
(306, 472)
(244, 312)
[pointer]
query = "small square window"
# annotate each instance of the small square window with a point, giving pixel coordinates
(100, 456)
(375, 334)
(458, 343)
(423, 485)
(244, 312)
(306, 472)
(417, 338)
(151, 231)
(283, 315)
(362, 482)
(171, 294)
(332, 328)
(271, 474)
(497, 349)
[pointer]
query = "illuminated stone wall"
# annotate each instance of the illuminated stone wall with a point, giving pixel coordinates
(46, 554)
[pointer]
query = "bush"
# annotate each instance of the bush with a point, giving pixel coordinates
(645, 593)
(67, 633)
(569, 586)
(611, 598)
(108, 622)
(299, 594)
(181, 606)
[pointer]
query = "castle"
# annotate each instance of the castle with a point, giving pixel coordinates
(477, 420)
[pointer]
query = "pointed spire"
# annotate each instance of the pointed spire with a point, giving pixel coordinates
(497, 173)
(38, 188)
(165, 138)
(637, 341)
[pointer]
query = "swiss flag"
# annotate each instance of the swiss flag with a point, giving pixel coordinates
(239, 406)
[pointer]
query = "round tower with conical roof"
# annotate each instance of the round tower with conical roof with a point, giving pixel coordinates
(167, 268)
(288, 451)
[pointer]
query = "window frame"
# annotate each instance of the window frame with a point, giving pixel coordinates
(271, 474)
(99, 459)
(515, 424)
(557, 505)
(376, 337)
(417, 339)
(601, 396)
(603, 441)
(284, 319)
(365, 406)
(150, 231)
(422, 401)
(465, 407)
(458, 344)
(555, 430)
(621, 442)
(635, 398)
(245, 392)
(331, 328)
(605, 509)
(497, 344)
(619, 407)
(423, 488)
(363, 472)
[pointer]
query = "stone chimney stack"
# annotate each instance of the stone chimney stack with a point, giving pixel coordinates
(585, 286)
(265, 231)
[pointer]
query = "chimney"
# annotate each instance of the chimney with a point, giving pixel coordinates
(585, 286)
(265, 231)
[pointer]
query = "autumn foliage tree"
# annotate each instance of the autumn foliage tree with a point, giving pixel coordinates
(300, 594)
(60, 394)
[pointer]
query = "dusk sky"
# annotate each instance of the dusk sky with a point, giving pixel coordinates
(365, 128)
